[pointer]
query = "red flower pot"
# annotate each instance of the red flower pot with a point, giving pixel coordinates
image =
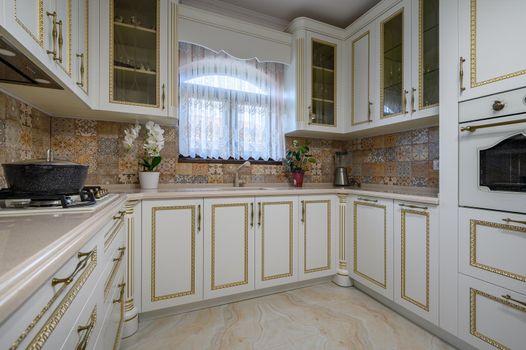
(298, 179)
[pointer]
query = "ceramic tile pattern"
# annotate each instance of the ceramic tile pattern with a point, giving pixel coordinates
(320, 317)
(397, 159)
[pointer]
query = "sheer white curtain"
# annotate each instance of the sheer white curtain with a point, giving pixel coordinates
(229, 107)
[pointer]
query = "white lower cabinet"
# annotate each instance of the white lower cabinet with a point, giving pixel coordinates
(172, 253)
(416, 258)
(276, 241)
(318, 236)
(372, 244)
(491, 317)
(228, 246)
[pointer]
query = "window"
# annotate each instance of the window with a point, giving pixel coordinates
(229, 108)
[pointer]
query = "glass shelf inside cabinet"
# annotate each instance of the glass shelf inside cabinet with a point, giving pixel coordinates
(429, 53)
(323, 100)
(135, 53)
(392, 66)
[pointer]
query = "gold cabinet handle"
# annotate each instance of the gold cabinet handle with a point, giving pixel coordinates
(81, 265)
(369, 111)
(413, 110)
(199, 218)
(413, 206)
(302, 211)
(81, 57)
(54, 34)
(121, 294)
(462, 88)
(259, 214)
(163, 96)
(87, 329)
(508, 220)
(404, 102)
(368, 200)
(472, 128)
(121, 254)
(508, 297)
(60, 42)
(498, 106)
(251, 214)
(120, 215)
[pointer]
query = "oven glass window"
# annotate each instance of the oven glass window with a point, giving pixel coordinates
(503, 166)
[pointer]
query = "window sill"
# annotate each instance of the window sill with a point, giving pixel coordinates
(227, 161)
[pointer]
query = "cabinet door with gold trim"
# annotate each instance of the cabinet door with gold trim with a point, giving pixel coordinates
(491, 52)
(372, 244)
(275, 220)
(172, 246)
(229, 246)
(416, 258)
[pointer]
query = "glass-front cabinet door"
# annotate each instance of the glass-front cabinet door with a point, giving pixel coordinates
(323, 97)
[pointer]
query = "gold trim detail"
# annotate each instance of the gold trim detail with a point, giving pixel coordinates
(113, 233)
(118, 335)
(322, 268)
(473, 247)
(52, 322)
(291, 242)
(355, 242)
(85, 78)
(158, 60)
(382, 97)
(403, 294)
(353, 68)
(300, 86)
(113, 273)
(40, 38)
(154, 297)
(213, 285)
(335, 84)
(473, 316)
(473, 48)
(92, 321)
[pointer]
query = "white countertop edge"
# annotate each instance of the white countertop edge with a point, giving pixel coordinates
(23, 280)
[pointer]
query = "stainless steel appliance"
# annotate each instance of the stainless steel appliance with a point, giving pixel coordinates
(340, 171)
(492, 152)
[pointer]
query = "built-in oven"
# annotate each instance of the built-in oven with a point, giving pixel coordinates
(492, 153)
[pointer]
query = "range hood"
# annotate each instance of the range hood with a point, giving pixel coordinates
(16, 68)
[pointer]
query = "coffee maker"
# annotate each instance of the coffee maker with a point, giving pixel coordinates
(340, 171)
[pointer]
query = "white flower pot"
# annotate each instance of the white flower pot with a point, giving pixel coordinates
(149, 179)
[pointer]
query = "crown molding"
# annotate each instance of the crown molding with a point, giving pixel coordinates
(368, 17)
(312, 25)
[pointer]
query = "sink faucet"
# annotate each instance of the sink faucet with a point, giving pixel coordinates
(238, 183)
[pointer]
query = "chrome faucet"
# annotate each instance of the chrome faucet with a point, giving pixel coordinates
(237, 182)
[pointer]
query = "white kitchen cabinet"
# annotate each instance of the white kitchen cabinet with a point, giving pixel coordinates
(276, 255)
(491, 317)
(172, 253)
(318, 236)
(372, 244)
(491, 54)
(228, 246)
(416, 258)
(81, 44)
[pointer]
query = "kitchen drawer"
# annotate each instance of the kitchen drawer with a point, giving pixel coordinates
(492, 246)
(111, 333)
(45, 319)
(113, 233)
(491, 317)
(513, 102)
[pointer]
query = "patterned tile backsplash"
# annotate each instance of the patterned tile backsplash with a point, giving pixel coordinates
(404, 159)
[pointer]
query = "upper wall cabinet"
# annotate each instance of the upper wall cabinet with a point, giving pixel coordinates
(490, 44)
(134, 56)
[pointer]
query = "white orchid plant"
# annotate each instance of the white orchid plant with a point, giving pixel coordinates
(153, 143)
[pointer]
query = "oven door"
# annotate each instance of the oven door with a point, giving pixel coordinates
(492, 163)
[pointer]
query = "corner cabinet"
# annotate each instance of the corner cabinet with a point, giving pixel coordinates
(491, 54)
(134, 53)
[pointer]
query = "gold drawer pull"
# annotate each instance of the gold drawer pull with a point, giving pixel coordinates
(302, 211)
(120, 215)
(60, 42)
(121, 294)
(87, 329)
(368, 200)
(259, 214)
(462, 88)
(81, 57)
(251, 214)
(508, 297)
(413, 206)
(508, 220)
(492, 125)
(119, 258)
(81, 265)
(54, 34)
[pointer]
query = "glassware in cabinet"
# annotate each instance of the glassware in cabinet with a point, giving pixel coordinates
(323, 99)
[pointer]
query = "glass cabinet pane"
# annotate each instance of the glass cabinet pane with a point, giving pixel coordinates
(392, 67)
(135, 52)
(428, 53)
(323, 83)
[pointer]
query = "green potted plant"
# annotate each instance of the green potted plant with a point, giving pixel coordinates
(298, 161)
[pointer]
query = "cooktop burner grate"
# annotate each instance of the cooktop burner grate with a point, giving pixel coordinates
(13, 199)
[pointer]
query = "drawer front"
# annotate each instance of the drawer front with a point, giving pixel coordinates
(514, 102)
(45, 319)
(113, 233)
(491, 317)
(492, 246)
(111, 333)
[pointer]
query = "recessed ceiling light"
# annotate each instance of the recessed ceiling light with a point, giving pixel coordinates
(7, 53)
(42, 81)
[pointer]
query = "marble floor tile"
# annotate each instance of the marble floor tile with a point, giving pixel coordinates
(319, 317)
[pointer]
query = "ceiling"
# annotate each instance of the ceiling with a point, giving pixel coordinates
(339, 13)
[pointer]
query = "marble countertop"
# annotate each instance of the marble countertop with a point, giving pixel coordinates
(34, 247)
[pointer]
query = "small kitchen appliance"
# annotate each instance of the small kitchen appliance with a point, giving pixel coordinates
(340, 171)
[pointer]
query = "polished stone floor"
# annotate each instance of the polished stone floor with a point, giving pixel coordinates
(324, 316)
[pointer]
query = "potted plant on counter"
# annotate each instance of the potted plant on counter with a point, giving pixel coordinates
(298, 161)
(153, 144)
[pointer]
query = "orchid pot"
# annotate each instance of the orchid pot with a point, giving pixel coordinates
(149, 180)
